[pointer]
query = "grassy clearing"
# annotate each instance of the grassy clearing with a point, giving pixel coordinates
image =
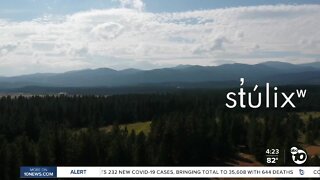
(305, 115)
(312, 150)
(137, 127)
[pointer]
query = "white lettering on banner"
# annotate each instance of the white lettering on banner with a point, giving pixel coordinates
(190, 172)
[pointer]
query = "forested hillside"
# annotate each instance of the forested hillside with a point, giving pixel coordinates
(187, 128)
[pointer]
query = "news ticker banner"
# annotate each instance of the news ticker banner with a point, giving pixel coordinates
(171, 172)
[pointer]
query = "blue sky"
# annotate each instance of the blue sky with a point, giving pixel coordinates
(29, 9)
(185, 5)
(62, 35)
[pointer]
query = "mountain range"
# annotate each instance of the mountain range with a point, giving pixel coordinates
(272, 71)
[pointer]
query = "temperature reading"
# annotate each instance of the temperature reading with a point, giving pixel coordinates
(272, 160)
(272, 156)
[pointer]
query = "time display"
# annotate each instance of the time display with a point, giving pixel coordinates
(272, 151)
(272, 155)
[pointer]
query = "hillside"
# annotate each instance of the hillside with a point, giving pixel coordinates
(277, 72)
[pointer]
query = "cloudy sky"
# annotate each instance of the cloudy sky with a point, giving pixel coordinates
(62, 35)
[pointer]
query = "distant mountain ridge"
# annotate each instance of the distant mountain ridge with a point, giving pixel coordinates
(272, 71)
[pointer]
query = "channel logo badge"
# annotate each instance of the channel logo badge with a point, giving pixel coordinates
(38, 172)
(299, 156)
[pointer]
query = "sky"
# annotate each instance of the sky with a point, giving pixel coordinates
(40, 36)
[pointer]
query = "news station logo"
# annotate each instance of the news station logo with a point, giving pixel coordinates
(38, 172)
(299, 156)
(301, 171)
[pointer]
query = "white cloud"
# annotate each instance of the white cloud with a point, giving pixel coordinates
(135, 4)
(107, 30)
(245, 34)
(216, 44)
